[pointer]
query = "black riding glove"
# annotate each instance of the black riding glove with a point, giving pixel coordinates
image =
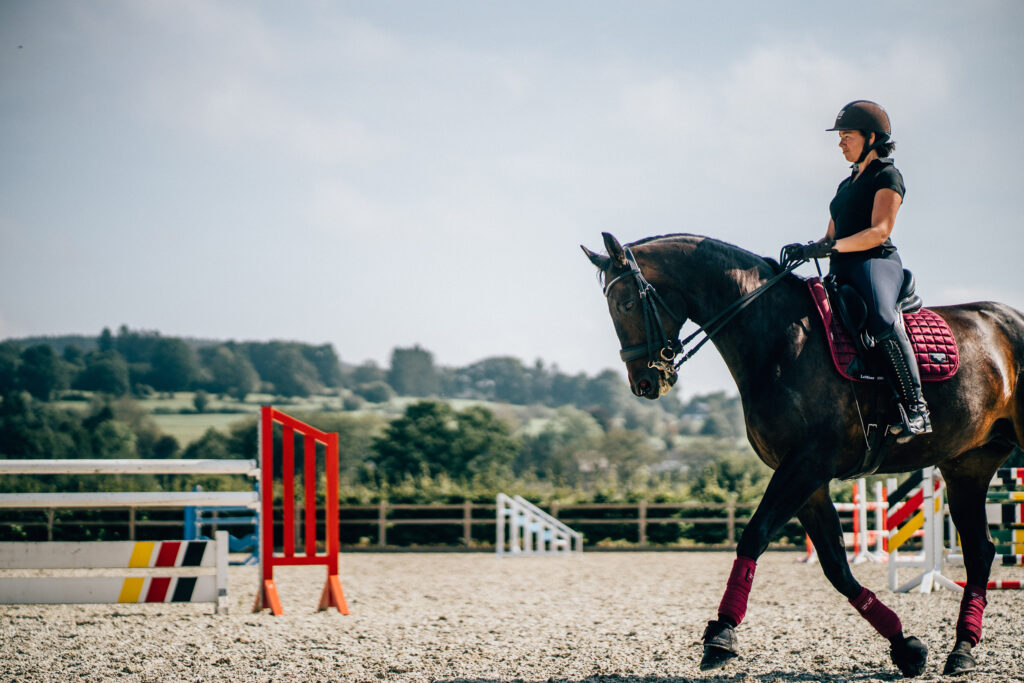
(794, 253)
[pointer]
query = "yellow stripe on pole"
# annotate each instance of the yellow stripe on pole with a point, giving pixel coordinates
(901, 536)
(141, 553)
(131, 589)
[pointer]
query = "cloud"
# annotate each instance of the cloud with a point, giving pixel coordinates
(259, 90)
(776, 95)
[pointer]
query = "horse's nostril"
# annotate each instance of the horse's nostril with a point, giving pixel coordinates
(644, 386)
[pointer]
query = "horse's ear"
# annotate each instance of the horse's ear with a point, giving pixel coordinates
(615, 251)
(600, 261)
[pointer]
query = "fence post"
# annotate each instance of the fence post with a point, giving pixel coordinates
(50, 514)
(467, 522)
(730, 521)
(131, 523)
(641, 521)
(382, 524)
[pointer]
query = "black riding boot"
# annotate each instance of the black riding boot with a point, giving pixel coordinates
(899, 353)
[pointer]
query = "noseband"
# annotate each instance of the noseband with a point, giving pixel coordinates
(663, 359)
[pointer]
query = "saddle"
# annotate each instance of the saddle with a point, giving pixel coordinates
(844, 314)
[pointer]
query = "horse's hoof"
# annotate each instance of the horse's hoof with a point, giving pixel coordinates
(910, 656)
(719, 645)
(715, 657)
(960, 660)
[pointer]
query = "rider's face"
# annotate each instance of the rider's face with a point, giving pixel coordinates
(852, 144)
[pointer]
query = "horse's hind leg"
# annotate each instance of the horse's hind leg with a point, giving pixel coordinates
(821, 522)
(967, 487)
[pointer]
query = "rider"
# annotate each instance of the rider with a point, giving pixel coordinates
(860, 251)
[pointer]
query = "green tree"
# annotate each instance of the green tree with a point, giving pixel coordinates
(105, 342)
(283, 365)
(41, 372)
(212, 445)
(174, 365)
(366, 373)
(606, 393)
(432, 438)
(73, 357)
(10, 359)
(375, 392)
(325, 359)
(412, 372)
(105, 372)
(501, 379)
(557, 450)
(30, 429)
(626, 451)
(230, 371)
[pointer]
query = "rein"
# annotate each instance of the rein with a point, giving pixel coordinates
(664, 359)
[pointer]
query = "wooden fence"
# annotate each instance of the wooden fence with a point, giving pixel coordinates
(468, 524)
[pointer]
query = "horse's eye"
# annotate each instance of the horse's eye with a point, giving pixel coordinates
(629, 305)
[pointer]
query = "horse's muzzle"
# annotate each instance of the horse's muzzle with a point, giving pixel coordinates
(653, 383)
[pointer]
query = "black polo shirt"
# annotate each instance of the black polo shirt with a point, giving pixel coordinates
(851, 207)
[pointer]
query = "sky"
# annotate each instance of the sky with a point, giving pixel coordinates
(384, 174)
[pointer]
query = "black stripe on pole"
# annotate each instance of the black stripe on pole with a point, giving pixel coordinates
(194, 554)
(906, 487)
(183, 591)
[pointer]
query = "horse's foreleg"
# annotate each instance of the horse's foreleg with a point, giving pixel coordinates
(821, 522)
(966, 492)
(790, 486)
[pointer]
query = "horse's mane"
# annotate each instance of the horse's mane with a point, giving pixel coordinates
(716, 243)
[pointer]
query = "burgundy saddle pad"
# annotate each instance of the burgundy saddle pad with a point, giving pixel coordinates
(930, 336)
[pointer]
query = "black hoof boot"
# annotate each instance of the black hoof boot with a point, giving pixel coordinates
(960, 660)
(719, 645)
(910, 655)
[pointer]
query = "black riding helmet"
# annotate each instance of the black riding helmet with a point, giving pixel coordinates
(867, 117)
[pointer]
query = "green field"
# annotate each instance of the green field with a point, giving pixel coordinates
(175, 414)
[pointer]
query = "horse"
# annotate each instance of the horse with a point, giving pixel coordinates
(804, 420)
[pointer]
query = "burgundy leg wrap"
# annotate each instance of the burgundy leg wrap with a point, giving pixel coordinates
(972, 606)
(737, 590)
(878, 615)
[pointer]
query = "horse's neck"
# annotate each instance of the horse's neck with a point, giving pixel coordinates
(759, 337)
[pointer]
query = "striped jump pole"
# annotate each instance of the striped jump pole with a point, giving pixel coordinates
(136, 586)
(126, 555)
(1005, 511)
(917, 505)
(311, 438)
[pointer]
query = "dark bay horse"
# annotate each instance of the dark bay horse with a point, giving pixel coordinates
(802, 417)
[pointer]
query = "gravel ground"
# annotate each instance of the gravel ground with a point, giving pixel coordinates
(601, 617)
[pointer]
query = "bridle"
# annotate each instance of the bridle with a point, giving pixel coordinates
(660, 359)
(663, 358)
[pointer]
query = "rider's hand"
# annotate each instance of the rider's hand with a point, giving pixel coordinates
(795, 253)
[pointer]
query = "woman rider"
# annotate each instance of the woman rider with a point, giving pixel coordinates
(861, 253)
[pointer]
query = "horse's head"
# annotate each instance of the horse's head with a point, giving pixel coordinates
(645, 322)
